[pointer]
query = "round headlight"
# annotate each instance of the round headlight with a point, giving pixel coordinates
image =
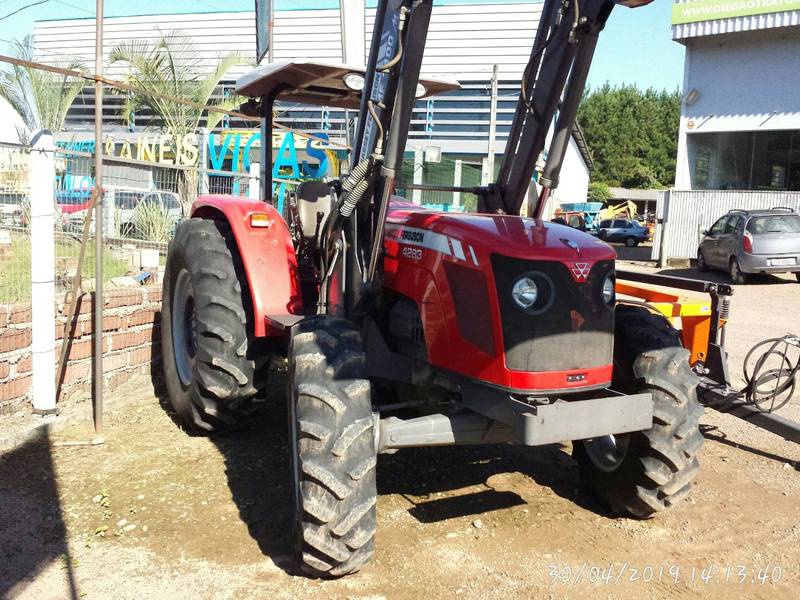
(525, 292)
(355, 81)
(608, 289)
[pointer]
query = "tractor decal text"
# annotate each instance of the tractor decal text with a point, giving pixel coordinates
(438, 242)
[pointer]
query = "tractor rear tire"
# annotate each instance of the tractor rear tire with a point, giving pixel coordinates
(642, 473)
(333, 451)
(208, 370)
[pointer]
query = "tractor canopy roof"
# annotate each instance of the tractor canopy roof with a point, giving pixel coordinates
(310, 82)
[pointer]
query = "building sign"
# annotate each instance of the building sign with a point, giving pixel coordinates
(696, 11)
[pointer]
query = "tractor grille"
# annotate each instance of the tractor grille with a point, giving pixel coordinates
(569, 327)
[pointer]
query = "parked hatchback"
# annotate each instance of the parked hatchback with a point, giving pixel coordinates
(757, 241)
(627, 231)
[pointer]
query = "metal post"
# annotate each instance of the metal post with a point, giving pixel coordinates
(352, 22)
(43, 339)
(204, 139)
(485, 178)
(253, 182)
(270, 29)
(457, 183)
(416, 195)
(492, 125)
(97, 337)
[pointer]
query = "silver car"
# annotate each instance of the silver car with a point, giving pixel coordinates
(744, 242)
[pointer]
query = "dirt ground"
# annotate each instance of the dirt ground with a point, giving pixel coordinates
(154, 513)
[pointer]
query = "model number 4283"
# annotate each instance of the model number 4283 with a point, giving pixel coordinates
(412, 253)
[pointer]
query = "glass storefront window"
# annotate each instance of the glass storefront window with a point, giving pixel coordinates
(745, 160)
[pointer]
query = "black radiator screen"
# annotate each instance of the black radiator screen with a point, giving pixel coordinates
(569, 327)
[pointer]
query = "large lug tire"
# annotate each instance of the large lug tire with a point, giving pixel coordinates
(208, 367)
(333, 448)
(642, 473)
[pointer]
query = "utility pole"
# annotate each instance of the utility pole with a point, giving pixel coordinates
(97, 337)
(492, 125)
(352, 26)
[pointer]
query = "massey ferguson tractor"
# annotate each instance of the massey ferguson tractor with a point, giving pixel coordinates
(406, 327)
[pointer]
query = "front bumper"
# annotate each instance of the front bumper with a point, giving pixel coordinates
(513, 421)
(763, 263)
(537, 421)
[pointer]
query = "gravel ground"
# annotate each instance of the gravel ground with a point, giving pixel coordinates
(154, 513)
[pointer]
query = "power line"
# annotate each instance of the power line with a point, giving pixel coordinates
(80, 8)
(19, 10)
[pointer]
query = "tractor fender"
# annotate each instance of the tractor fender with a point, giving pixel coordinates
(266, 252)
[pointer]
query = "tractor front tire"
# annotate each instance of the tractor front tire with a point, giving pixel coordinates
(333, 451)
(208, 370)
(642, 473)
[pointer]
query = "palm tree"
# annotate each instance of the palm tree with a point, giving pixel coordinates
(41, 98)
(171, 66)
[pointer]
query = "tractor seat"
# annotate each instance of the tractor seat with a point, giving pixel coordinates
(313, 197)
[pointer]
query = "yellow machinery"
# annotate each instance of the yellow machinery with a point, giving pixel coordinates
(624, 210)
(701, 316)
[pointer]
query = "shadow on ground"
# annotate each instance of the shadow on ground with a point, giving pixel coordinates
(714, 433)
(32, 529)
(721, 276)
(257, 468)
(640, 253)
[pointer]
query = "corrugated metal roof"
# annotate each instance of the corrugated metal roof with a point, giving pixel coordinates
(620, 193)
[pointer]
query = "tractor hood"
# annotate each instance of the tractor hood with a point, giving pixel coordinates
(480, 234)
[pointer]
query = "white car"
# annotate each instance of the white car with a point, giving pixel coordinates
(168, 203)
(122, 219)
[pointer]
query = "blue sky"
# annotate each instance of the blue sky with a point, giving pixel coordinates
(635, 47)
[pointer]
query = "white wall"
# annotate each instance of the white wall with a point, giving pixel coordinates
(9, 123)
(464, 41)
(574, 183)
(747, 82)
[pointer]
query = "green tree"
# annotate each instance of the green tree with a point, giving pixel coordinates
(599, 192)
(42, 98)
(632, 133)
(171, 66)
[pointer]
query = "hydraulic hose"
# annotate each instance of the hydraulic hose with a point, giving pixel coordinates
(355, 186)
(766, 386)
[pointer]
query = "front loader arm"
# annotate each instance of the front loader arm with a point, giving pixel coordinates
(552, 84)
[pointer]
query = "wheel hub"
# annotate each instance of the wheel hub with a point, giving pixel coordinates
(607, 452)
(184, 326)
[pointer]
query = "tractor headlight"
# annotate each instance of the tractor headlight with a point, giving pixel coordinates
(354, 81)
(525, 292)
(608, 289)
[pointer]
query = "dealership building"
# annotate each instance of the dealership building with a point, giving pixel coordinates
(465, 41)
(740, 121)
(739, 140)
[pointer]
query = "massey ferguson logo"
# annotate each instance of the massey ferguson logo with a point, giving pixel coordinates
(580, 270)
(413, 236)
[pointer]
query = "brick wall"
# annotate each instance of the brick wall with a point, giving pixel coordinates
(130, 343)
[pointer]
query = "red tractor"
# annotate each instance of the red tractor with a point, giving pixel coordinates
(409, 327)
